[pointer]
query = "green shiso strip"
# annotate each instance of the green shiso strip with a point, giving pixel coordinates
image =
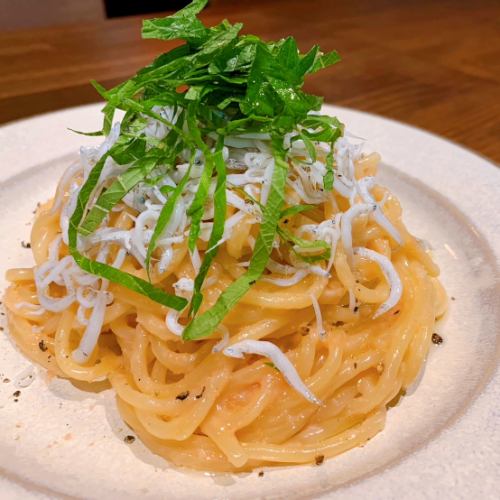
(204, 324)
(219, 82)
(103, 270)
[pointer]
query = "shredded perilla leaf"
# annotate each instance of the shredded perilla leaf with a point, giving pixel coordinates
(233, 84)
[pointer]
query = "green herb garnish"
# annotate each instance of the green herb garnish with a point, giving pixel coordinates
(103, 270)
(217, 229)
(219, 83)
(206, 323)
(297, 209)
(319, 249)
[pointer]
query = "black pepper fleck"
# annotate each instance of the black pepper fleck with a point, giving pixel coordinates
(42, 345)
(25, 245)
(396, 312)
(355, 365)
(182, 396)
(16, 394)
(129, 439)
(261, 473)
(338, 323)
(319, 459)
(356, 309)
(6, 380)
(198, 396)
(453, 298)
(253, 282)
(437, 339)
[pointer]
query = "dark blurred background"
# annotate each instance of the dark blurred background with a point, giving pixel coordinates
(15, 14)
(117, 8)
(432, 63)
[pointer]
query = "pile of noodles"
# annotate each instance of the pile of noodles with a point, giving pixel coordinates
(303, 366)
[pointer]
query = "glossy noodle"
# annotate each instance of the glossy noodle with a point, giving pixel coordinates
(228, 262)
(206, 409)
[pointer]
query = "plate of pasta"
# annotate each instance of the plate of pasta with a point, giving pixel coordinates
(229, 289)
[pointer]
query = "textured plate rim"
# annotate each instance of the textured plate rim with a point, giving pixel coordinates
(38, 150)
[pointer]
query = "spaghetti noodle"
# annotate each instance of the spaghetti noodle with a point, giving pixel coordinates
(301, 364)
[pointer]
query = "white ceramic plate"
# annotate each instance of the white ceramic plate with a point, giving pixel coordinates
(441, 441)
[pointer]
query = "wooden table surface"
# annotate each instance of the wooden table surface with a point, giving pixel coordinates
(434, 64)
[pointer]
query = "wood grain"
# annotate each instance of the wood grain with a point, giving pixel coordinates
(434, 64)
(15, 14)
